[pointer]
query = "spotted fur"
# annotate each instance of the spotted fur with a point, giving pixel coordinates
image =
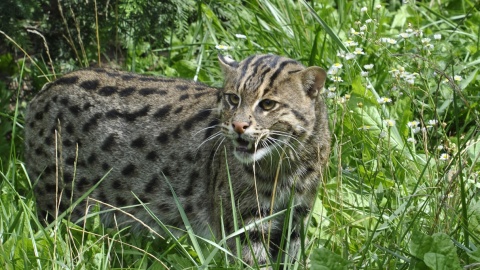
(139, 135)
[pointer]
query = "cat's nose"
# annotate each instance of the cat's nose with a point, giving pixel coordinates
(240, 127)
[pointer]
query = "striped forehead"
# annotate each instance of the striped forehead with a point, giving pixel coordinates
(259, 73)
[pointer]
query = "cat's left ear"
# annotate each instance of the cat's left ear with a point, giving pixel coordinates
(313, 80)
(227, 64)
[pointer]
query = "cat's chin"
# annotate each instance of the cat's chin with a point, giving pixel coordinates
(246, 156)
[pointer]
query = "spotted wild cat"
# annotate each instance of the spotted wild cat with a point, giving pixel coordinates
(268, 123)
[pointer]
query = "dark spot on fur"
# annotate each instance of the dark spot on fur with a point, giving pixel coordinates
(134, 115)
(107, 90)
(199, 88)
(66, 80)
(188, 209)
(152, 185)
(90, 85)
(183, 97)
(105, 166)
(166, 171)
(74, 109)
(162, 112)
(162, 138)
(128, 77)
(176, 132)
(83, 184)
(108, 143)
(70, 161)
(92, 158)
(46, 108)
(209, 132)
(188, 157)
(197, 95)
(147, 91)
(102, 197)
(68, 143)
(178, 110)
(192, 121)
(93, 121)
(67, 177)
(39, 151)
(70, 128)
(128, 170)
(116, 185)
(49, 140)
(191, 183)
(38, 116)
(87, 106)
(138, 142)
(64, 101)
(181, 87)
(127, 91)
(152, 156)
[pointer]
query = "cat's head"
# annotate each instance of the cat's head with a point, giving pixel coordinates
(268, 104)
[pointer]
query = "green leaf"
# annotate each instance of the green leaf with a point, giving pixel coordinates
(436, 251)
(324, 259)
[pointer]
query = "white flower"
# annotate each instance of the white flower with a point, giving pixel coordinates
(428, 46)
(358, 51)
(364, 128)
(413, 124)
(457, 78)
(337, 79)
(444, 157)
(425, 40)
(440, 147)
(388, 40)
(409, 30)
(331, 95)
(223, 47)
(368, 67)
(363, 28)
(355, 32)
(350, 43)
(378, 6)
(332, 88)
(334, 68)
(432, 122)
(341, 54)
(412, 140)
(364, 73)
(403, 35)
(363, 9)
(240, 36)
(368, 20)
(384, 100)
(382, 134)
(349, 56)
(437, 36)
(389, 122)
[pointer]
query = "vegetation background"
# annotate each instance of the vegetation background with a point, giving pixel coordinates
(402, 187)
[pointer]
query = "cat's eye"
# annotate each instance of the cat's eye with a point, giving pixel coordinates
(267, 104)
(232, 99)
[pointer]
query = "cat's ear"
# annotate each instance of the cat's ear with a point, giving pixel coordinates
(313, 80)
(227, 64)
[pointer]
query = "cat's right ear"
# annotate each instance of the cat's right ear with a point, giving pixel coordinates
(227, 64)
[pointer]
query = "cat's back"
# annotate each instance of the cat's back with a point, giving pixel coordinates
(135, 129)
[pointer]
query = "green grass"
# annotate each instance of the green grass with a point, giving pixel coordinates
(402, 187)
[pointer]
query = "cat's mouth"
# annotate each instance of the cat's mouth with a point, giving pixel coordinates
(247, 151)
(244, 146)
